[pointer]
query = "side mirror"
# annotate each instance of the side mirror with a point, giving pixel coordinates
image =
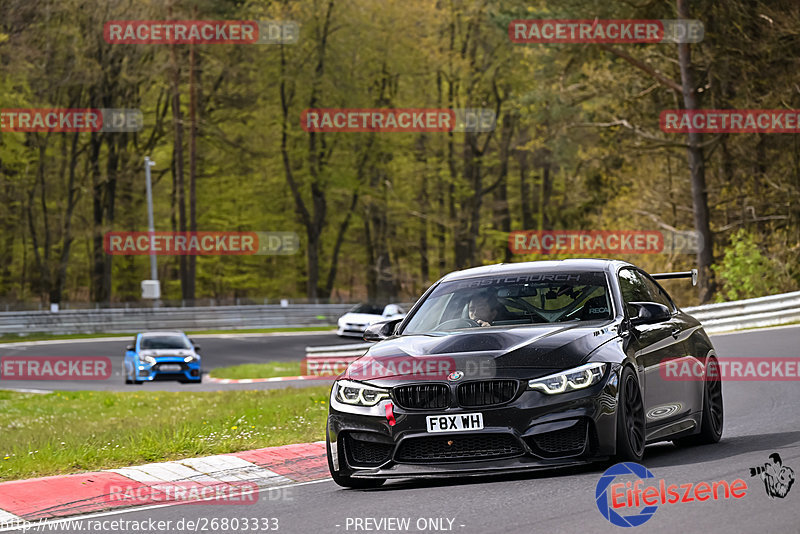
(197, 348)
(129, 347)
(650, 313)
(379, 331)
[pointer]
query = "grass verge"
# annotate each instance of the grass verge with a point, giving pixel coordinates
(66, 432)
(257, 370)
(41, 336)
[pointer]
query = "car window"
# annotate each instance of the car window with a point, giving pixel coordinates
(657, 294)
(372, 309)
(634, 289)
(164, 342)
(511, 300)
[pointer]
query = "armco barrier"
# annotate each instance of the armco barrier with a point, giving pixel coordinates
(354, 350)
(773, 310)
(759, 312)
(121, 320)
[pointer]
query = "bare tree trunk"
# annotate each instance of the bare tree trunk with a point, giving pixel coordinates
(177, 150)
(547, 190)
(424, 265)
(705, 257)
(526, 200)
(97, 289)
(502, 213)
(314, 219)
(191, 274)
(57, 292)
(114, 142)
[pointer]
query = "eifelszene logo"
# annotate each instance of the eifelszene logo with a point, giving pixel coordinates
(616, 497)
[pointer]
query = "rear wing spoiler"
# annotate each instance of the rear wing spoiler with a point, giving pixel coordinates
(685, 274)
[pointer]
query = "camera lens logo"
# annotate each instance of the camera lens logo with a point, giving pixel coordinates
(601, 495)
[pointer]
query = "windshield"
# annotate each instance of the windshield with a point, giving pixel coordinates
(513, 300)
(373, 309)
(165, 342)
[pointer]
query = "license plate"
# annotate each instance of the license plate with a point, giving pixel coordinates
(455, 423)
(168, 367)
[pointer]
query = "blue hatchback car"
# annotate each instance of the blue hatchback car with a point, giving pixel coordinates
(162, 356)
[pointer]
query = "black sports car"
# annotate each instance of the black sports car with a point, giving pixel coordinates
(523, 366)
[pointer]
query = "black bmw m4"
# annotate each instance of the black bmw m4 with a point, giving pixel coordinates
(524, 366)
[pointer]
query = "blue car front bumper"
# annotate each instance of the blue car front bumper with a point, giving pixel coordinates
(169, 369)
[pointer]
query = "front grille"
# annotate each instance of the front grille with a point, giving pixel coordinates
(367, 453)
(455, 448)
(183, 366)
(422, 396)
(486, 392)
(568, 441)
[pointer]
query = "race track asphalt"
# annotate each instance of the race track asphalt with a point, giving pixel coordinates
(761, 418)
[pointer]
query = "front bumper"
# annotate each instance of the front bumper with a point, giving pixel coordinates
(353, 330)
(532, 431)
(157, 371)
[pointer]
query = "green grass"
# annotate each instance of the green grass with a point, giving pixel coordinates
(66, 432)
(41, 336)
(258, 370)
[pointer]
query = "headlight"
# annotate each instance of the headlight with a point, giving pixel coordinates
(191, 358)
(578, 378)
(357, 394)
(148, 359)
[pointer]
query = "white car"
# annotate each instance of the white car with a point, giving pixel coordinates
(354, 322)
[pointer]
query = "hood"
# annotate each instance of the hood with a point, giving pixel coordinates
(483, 352)
(162, 353)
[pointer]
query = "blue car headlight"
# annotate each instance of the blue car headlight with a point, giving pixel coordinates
(150, 360)
(578, 378)
(192, 358)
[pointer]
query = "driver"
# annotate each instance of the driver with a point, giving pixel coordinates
(484, 308)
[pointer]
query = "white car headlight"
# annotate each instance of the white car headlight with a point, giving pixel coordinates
(357, 394)
(191, 358)
(578, 378)
(146, 358)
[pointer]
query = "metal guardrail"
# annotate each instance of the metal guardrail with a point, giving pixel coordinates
(751, 313)
(774, 310)
(337, 351)
(121, 320)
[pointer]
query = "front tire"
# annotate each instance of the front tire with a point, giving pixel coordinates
(630, 419)
(346, 481)
(713, 418)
